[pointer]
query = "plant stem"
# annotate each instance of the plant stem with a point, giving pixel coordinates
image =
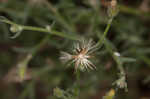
(100, 42)
(116, 58)
(134, 11)
(38, 29)
(38, 46)
(34, 52)
(77, 84)
(59, 18)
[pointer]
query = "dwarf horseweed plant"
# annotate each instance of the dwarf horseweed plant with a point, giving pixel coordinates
(81, 53)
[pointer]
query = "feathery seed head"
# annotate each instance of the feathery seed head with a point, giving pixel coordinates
(81, 55)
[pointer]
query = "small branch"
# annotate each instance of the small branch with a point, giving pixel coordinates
(59, 18)
(101, 40)
(38, 29)
(134, 11)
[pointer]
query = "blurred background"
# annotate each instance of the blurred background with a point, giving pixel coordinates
(29, 64)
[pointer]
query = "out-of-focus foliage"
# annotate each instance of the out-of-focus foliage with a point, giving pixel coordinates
(44, 76)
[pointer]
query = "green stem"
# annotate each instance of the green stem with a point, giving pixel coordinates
(61, 34)
(38, 29)
(34, 52)
(77, 84)
(101, 40)
(41, 44)
(59, 18)
(116, 58)
(133, 11)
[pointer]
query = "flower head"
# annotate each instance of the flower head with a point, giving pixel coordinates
(81, 55)
(121, 82)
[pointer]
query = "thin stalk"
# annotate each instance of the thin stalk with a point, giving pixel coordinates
(38, 29)
(101, 39)
(59, 17)
(133, 11)
(77, 83)
(116, 58)
(34, 52)
(41, 44)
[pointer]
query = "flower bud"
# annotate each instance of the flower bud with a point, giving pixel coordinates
(16, 28)
(113, 9)
(110, 94)
(58, 92)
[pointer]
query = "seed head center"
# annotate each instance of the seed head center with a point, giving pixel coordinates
(81, 56)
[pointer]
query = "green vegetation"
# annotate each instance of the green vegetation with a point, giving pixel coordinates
(104, 43)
